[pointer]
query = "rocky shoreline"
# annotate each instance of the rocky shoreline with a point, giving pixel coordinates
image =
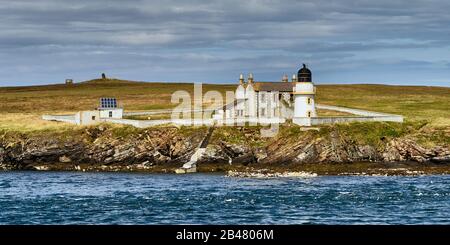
(105, 148)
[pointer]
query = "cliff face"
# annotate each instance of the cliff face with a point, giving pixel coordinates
(337, 148)
(104, 147)
(99, 146)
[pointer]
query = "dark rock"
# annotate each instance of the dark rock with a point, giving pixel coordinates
(441, 159)
(98, 146)
(65, 159)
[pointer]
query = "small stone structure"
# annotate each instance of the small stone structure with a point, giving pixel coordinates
(69, 81)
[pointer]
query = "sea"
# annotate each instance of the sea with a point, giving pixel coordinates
(136, 198)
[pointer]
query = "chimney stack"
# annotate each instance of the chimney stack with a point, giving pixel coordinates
(250, 78)
(241, 79)
(294, 78)
(285, 78)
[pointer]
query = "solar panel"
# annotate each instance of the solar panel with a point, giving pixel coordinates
(108, 103)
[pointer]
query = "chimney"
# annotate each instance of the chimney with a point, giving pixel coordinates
(294, 78)
(285, 78)
(250, 78)
(241, 79)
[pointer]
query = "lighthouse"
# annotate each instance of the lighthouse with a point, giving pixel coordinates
(304, 92)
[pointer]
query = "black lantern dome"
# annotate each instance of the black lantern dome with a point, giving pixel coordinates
(304, 74)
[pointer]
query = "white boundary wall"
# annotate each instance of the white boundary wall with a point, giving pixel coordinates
(330, 120)
(60, 118)
(196, 122)
(357, 111)
(363, 116)
(158, 112)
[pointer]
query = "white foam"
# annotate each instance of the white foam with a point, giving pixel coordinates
(271, 175)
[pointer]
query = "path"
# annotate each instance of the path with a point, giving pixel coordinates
(191, 166)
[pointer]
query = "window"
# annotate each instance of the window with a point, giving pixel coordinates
(263, 112)
(309, 114)
(93, 118)
(263, 97)
(309, 101)
(110, 113)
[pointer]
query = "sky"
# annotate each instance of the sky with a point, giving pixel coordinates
(404, 42)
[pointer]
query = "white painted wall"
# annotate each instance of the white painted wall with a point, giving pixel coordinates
(240, 92)
(302, 121)
(302, 92)
(87, 117)
(251, 101)
(240, 110)
(302, 107)
(354, 111)
(61, 118)
(117, 113)
(218, 114)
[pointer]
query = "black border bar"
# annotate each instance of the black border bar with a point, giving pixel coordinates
(171, 233)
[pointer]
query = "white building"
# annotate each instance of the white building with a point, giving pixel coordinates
(304, 93)
(284, 99)
(254, 103)
(109, 109)
(87, 117)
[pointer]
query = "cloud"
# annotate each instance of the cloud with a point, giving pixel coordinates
(214, 40)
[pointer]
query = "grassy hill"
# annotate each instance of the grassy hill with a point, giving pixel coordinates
(22, 107)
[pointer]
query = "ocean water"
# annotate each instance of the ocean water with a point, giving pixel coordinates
(129, 198)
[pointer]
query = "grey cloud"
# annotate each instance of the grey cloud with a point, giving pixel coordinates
(181, 23)
(216, 37)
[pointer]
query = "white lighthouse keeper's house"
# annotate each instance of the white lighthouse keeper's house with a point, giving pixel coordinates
(281, 100)
(304, 92)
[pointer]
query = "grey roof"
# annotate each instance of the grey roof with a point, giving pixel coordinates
(274, 86)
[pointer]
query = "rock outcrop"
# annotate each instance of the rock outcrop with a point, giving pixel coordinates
(101, 148)
(144, 149)
(326, 150)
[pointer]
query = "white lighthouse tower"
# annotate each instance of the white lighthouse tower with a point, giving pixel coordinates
(304, 92)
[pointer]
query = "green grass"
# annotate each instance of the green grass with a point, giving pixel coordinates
(414, 102)
(84, 96)
(21, 108)
(239, 135)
